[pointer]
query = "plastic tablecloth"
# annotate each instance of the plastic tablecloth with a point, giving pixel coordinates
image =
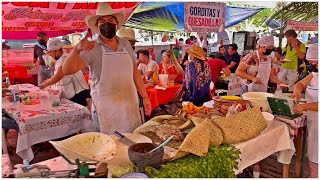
(44, 124)
(159, 96)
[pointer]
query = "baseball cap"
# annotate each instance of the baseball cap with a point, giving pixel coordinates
(54, 44)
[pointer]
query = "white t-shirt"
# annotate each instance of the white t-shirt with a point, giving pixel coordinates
(77, 81)
(146, 68)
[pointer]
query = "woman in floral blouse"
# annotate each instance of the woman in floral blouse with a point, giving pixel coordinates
(256, 67)
(197, 77)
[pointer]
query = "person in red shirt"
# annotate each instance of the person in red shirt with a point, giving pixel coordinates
(216, 66)
(170, 66)
(192, 40)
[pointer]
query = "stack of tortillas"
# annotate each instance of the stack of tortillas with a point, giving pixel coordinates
(91, 146)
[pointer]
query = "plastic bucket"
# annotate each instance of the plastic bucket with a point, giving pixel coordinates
(258, 100)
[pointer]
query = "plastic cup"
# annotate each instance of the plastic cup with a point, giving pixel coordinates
(163, 78)
(171, 83)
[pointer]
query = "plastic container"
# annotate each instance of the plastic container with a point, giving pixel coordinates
(170, 83)
(256, 171)
(15, 94)
(8, 81)
(163, 78)
(135, 175)
(258, 100)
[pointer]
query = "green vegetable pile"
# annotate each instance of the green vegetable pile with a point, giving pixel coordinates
(220, 162)
(123, 169)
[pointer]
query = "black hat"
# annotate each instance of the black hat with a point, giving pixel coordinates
(41, 33)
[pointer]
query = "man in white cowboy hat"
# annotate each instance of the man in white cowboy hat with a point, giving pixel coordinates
(128, 34)
(114, 75)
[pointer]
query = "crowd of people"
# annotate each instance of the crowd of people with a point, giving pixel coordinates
(117, 74)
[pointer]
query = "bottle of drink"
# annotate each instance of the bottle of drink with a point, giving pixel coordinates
(155, 76)
(256, 171)
(15, 94)
(8, 81)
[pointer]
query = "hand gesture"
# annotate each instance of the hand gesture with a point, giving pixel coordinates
(296, 95)
(256, 80)
(42, 86)
(85, 44)
(147, 106)
(298, 109)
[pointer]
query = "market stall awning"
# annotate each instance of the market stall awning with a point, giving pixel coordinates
(295, 11)
(169, 16)
(23, 20)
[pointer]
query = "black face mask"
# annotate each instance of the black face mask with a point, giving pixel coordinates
(312, 68)
(42, 42)
(268, 52)
(108, 30)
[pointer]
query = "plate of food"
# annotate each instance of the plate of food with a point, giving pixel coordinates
(30, 101)
(230, 98)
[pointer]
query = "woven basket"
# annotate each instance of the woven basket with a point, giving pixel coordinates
(242, 126)
(198, 140)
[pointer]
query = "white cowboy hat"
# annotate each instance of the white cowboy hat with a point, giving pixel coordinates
(104, 9)
(127, 33)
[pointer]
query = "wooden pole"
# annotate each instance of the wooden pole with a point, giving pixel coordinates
(285, 171)
(152, 38)
(299, 153)
(281, 35)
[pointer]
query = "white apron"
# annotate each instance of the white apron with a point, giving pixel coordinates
(312, 119)
(115, 97)
(263, 75)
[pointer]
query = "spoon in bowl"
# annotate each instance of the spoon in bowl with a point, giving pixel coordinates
(162, 144)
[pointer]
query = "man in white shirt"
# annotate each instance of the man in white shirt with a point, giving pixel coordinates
(145, 65)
